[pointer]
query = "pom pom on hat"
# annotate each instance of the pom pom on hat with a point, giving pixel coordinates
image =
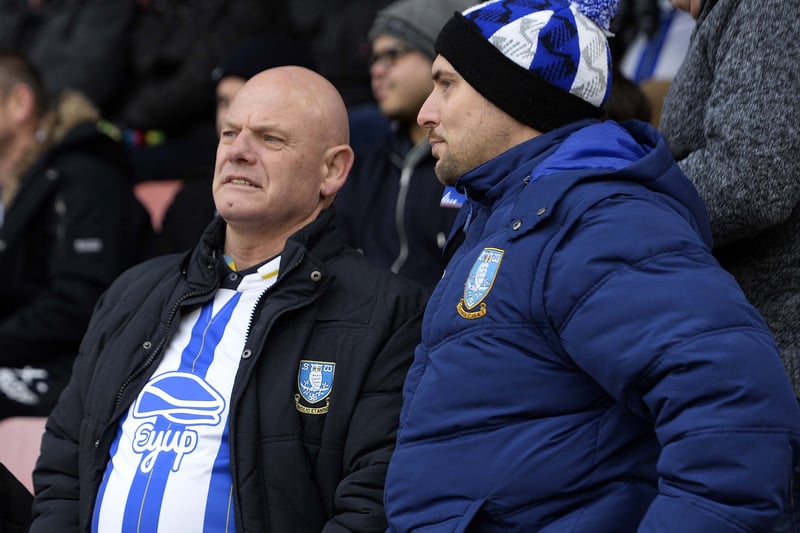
(599, 11)
(544, 62)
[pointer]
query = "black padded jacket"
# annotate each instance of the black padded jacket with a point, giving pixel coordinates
(294, 468)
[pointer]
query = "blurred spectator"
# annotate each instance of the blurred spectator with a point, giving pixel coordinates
(736, 134)
(392, 207)
(69, 224)
(656, 52)
(75, 44)
(166, 107)
(650, 42)
(633, 18)
(336, 33)
(193, 206)
(259, 52)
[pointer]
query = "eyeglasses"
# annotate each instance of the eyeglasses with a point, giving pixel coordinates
(388, 57)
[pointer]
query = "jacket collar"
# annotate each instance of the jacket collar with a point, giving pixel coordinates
(318, 239)
(589, 149)
(489, 179)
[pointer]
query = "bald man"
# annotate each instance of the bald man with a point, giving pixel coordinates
(253, 384)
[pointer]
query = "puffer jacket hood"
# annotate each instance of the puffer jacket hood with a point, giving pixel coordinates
(589, 149)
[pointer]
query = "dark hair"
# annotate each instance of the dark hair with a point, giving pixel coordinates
(16, 68)
(627, 100)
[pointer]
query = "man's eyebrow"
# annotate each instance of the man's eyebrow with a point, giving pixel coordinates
(226, 124)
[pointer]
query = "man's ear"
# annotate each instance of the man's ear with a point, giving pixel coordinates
(338, 162)
(21, 103)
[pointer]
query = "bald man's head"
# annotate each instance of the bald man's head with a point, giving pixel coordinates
(283, 152)
(308, 95)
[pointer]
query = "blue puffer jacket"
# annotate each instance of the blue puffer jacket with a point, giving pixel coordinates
(585, 364)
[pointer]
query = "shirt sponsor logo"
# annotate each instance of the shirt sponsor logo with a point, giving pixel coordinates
(177, 401)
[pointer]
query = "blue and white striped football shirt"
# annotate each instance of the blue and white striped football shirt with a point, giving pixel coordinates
(170, 466)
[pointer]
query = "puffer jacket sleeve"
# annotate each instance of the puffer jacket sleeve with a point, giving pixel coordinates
(373, 428)
(640, 305)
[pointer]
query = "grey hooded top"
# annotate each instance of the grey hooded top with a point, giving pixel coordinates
(732, 118)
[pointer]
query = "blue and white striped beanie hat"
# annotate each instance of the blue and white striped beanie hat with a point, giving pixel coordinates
(544, 62)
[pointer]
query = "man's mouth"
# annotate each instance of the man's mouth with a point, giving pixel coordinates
(241, 181)
(435, 142)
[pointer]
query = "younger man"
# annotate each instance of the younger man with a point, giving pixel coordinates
(586, 364)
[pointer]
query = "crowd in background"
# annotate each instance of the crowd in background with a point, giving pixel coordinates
(147, 64)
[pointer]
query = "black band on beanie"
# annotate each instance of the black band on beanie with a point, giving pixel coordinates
(514, 89)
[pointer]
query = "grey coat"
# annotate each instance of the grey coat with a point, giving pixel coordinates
(732, 118)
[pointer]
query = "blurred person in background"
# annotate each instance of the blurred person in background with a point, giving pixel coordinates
(392, 208)
(75, 44)
(736, 135)
(335, 32)
(165, 106)
(69, 224)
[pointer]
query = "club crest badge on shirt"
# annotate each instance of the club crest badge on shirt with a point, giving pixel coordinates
(315, 382)
(479, 283)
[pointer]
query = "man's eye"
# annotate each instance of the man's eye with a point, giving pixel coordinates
(442, 84)
(228, 134)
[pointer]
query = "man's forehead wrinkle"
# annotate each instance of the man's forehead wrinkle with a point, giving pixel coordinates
(295, 99)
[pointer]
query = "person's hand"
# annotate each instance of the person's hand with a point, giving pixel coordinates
(691, 6)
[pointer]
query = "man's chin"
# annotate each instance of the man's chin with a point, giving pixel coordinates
(445, 173)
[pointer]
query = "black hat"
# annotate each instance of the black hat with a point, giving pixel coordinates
(544, 62)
